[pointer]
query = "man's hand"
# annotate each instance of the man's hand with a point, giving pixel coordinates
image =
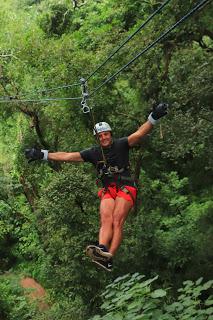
(158, 112)
(36, 154)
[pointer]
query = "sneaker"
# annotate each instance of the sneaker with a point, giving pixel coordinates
(98, 252)
(106, 265)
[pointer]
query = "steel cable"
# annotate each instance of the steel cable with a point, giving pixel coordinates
(162, 36)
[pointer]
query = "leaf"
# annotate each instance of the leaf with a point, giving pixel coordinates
(181, 297)
(142, 317)
(188, 283)
(97, 317)
(134, 304)
(166, 317)
(207, 285)
(130, 316)
(106, 306)
(159, 293)
(209, 311)
(199, 281)
(147, 282)
(121, 278)
(109, 295)
(188, 302)
(116, 316)
(173, 307)
(209, 302)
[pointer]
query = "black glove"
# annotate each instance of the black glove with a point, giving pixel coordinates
(34, 154)
(159, 111)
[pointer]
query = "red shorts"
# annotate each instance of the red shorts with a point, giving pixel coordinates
(112, 192)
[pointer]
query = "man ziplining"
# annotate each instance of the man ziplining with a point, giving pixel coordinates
(118, 194)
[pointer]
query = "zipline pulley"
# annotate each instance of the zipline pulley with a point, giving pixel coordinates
(85, 95)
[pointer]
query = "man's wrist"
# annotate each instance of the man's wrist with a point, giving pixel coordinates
(45, 152)
(152, 120)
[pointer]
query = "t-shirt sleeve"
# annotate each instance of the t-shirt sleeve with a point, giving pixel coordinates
(124, 142)
(87, 155)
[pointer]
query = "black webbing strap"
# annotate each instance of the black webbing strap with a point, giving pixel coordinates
(125, 190)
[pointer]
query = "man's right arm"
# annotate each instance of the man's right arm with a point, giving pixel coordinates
(40, 154)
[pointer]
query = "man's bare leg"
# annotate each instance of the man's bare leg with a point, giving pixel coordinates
(106, 219)
(121, 210)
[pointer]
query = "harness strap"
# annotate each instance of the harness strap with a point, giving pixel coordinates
(103, 191)
(122, 188)
(125, 190)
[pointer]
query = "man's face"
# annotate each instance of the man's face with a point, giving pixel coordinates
(105, 138)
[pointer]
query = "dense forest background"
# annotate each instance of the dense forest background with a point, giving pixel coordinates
(49, 211)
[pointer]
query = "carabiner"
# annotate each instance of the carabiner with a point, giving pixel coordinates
(86, 109)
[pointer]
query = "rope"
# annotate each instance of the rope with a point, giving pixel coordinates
(129, 38)
(162, 36)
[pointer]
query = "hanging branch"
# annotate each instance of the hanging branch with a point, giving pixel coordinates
(35, 124)
(29, 193)
(35, 121)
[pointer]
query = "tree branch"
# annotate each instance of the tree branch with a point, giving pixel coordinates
(168, 56)
(7, 56)
(36, 124)
(29, 193)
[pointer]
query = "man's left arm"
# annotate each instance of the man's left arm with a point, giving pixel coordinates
(155, 115)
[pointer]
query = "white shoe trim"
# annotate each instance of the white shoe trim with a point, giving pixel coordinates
(101, 265)
(92, 248)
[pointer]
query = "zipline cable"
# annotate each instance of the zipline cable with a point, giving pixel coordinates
(197, 7)
(52, 89)
(129, 38)
(110, 56)
(56, 88)
(38, 100)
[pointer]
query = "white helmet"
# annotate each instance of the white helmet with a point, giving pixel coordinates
(101, 127)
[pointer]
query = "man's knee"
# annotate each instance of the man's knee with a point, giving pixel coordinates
(118, 219)
(106, 217)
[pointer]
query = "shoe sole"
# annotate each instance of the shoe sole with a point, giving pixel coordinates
(101, 265)
(96, 253)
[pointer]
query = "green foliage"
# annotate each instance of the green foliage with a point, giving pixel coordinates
(49, 212)
(56, 21)
(132, 297)
(13, 304)
(67, 220)
(172, 232)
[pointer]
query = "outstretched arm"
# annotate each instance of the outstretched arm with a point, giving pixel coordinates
(39, 154)
(155, 115)
(135, 137)
(65, 156)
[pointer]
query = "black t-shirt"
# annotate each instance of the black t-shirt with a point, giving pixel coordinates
(117, 158)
